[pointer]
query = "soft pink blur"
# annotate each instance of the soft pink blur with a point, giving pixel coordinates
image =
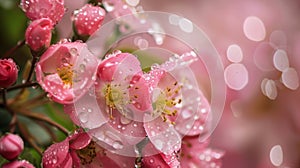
(251, 123)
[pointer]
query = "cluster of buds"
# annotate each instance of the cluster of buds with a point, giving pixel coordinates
(11, 146)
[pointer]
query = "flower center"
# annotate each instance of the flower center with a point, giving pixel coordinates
(166, 102)
(87, 154)
(114, 98)
(66, 75)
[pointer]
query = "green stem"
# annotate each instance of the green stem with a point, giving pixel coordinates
(33, 62)
(29, 138)
(39, 117)
(12, 50)
(22, 86)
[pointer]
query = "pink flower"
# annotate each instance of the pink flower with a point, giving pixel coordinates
(66, 71)
(38, 34)
(116, 74)
(197, 154)
(8, 72)
(88, 19)
(11, 146)
(18, 163)
(77, 150)
(37, 9)
(178, 105)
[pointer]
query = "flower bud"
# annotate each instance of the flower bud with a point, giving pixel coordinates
(11, 146)
(8, 72)
(38, 34)
(88, 19)
(37, 9)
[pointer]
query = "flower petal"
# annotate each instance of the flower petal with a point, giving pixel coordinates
(56, 154)
(162, 135)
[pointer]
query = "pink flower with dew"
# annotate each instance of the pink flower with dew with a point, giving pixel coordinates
(8, 72)
(116, 76)
(38, 34)
(66, 71)
(18, 163)
(37, 9)
(116, 112)
(88, 19)
(77, 150)
(178, 106)
(11, 146)
(197, 154)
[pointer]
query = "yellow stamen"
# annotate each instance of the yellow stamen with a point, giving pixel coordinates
(66, 75)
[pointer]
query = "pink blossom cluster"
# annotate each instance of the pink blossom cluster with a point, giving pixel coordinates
(152, 105)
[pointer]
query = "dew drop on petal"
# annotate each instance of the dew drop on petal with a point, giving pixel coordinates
(254, 28)
(186, 25)
(174, 19)
(142, 44)
(276, 155)
(234, 53)
(270, 89)
(117, 145)
(83, 117)
(125, 120)
(290, 78)
(159, 144)
(281, 60)
(108, 6)
(236, 76)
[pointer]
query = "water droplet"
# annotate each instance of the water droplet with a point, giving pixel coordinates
(89, 110)
(276, 155)
(234, 53)
(186, 25)
(290, 78)
(281, 60)
(125, 120)
(151, 161)
(108, 6)
(54, 161)
(159, 144)
(82, 68)
(142, 44)
(254, 28)
(83, 117)
(186, 113)
(174, 19)
(118, 145)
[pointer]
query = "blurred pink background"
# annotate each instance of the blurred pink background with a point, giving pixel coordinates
(260, 125)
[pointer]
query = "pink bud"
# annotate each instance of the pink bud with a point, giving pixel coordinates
(8, 72)
(88, 19)
(11, 146)
(38, 34)
(18, 163)
(37, 9)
